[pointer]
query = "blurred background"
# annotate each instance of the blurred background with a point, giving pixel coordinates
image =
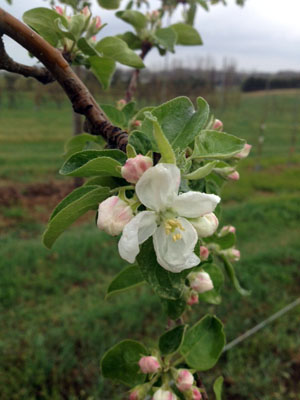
(55, 323)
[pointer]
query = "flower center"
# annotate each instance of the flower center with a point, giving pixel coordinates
(170, 228)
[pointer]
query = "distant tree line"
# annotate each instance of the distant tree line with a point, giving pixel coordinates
(253, 83)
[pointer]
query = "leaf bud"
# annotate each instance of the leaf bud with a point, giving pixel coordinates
(200, 282)
(184, 380)
(135, 167)
(149, 364)
(113, 215)
(205, 225)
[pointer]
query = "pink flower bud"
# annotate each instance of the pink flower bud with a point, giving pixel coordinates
(192, 299)
(139, 392)
(149, 364)
(234, 176)
(206, 225)
(98, 22)
(134, 395)
(94, 38)
(227, 229)
(245, 152)
(200, 282)
(137, 123)
(121, 103)
(135, 167)
(113, 215)
(161, 394)
(184, 380)
(232, 254)
(59, 10)
(204, 253)
(86, 12)
(196, 394)
(217, 125)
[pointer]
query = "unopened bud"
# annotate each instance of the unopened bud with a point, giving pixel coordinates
(139, 392)
(137, 123)
(59, 10)
(184, 380)
(113, 215)
(193, 298)
(121, 103)
(135, 167)
(234, 176)
(196, 395)
(98, 22)
(86, 12)
(245, 152)
(161, 394)
(200, 282)
(206, 225)
(232, 254)
(204, 253)
(94, 38)
(149, 364)
(217, 125)
(227, 229)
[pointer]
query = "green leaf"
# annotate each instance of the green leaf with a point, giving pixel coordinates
(43, 20)
(179, 121)
(114, 115)
(225, 242)
(167, 38)
(134, 18)
(133, 41)
(128, 278)
(186, 34)
(78, 143)
(141, 114)
(203, 343)
(109, 4)
(218, 384)
(86, 47)
(71, 208)
(129, 111)
(115, 48)
(164, 147)
(166, 284)
(140, 142)
(229, 268)
(108, 181)
(103, 68)
(202, 171)
(94, 162)
(213, 296)
(120, 363)
(214, 144)
(203, 4)
(77, 24)
(174, 308)
(171, 341)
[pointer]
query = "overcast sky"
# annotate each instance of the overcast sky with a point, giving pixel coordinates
(264, 35)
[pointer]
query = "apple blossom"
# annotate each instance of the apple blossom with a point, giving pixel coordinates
(59, 10)
(200, 282)
(206, 225)
(234, 176)
(217, 125)
(166, 219)
(135, 167)
(113, 215)
(149, 364)
(184, 380)
(245, 152)
(161, 394)
(204, 253)
(227, 229)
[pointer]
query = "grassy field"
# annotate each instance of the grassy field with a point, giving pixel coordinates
(55, 322)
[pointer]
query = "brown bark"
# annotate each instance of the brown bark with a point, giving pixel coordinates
(82, 101)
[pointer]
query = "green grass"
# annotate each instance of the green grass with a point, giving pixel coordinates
(55, 321)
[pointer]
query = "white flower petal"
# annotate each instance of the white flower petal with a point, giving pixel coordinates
(175, 256)
(195, 204)
(158, 186)
(136, 232)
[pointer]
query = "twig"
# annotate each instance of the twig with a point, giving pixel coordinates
(82, 101)
(146, 47)
(8, 64)
(201, 387)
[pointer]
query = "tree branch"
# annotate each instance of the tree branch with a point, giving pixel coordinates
(82, 101)
(146, 47)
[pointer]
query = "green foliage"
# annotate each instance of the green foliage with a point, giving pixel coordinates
(103, 68)
(203, 343)
(186, 34)
(109, 4)
(94, 162)
(78, 143)
(216, 275)
(201, 172)
(229, 268)
(128, 278)
(134, 18)
(132, 40)
(167, 38)
(218, 384)
(140, 141)
(121, 363)
(71, 208)
(43, 20)
(171, 341)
